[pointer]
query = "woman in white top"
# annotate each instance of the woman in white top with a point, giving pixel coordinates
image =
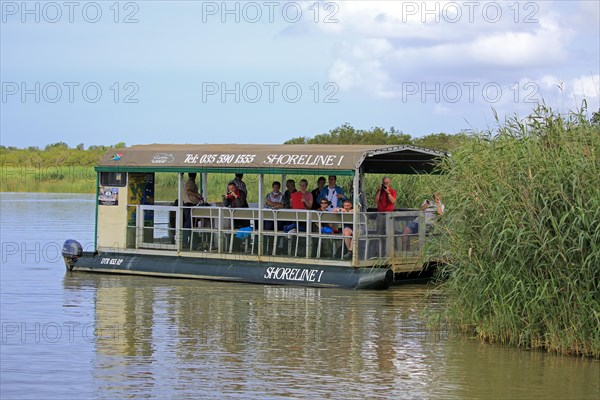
(274, 200)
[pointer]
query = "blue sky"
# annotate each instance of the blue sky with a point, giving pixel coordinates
(263, 72)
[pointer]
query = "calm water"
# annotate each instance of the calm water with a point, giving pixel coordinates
(77, 335)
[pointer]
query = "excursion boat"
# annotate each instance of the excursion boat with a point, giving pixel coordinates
(136, 235)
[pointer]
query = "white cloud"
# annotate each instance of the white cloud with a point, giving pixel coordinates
(586, 86)
(344, 75)
(542, 46)
(389, 43)
(548, 82)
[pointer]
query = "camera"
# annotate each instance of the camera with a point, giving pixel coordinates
(383, 187)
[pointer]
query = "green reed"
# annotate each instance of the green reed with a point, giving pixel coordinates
(54, 179)
(522, 228)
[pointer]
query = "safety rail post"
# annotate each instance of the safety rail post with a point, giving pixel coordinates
(389, 231)
(308, 234)
(139, 226)
(177, 235)
(179, 224)
(259, 229)
(422, 230)
(220, 235)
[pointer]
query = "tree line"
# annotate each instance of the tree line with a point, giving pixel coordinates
(55, 154)
(60, 153)
(347, 134)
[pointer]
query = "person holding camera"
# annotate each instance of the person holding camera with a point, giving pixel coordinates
(385, 198)
(234, 198)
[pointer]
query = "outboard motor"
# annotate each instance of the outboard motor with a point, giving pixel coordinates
(71, 252)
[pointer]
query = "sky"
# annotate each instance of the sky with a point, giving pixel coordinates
(103, 72)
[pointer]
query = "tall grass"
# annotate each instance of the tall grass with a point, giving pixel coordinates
(523, 231)
(56, 179)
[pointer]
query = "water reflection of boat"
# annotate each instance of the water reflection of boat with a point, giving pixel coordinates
(156, 335)
(136, 235)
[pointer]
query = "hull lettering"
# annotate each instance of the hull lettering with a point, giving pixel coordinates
(111, 261)
(293, 274)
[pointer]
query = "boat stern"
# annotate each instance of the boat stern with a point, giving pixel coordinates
(71, 252)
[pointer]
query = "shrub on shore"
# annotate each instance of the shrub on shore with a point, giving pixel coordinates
(523, 231)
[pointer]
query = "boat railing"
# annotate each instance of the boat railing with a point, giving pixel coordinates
(153, 227)
(377, 237)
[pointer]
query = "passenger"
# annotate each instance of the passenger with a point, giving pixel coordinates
(290, 185)
(240, 184)
(385, 198)
(324, 227)
(274, 200)
(323, 204)
(191, 197)
(316, 193)
(233, 199)
(432, 208)
(347, 228)
(333, 193)
(301, 200)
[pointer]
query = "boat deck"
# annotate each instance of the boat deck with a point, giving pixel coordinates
(235, 234)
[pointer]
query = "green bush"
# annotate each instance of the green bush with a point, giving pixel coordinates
(523, 231)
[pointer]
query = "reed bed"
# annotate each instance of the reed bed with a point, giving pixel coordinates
(48, 179)
(523, 231)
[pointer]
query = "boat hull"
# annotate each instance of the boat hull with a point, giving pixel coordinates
(260, 272)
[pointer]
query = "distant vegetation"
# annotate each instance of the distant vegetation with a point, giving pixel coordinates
(55, 155)
(55, 168)
(346, 134)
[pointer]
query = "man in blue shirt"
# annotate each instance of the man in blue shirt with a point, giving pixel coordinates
(333, 193)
